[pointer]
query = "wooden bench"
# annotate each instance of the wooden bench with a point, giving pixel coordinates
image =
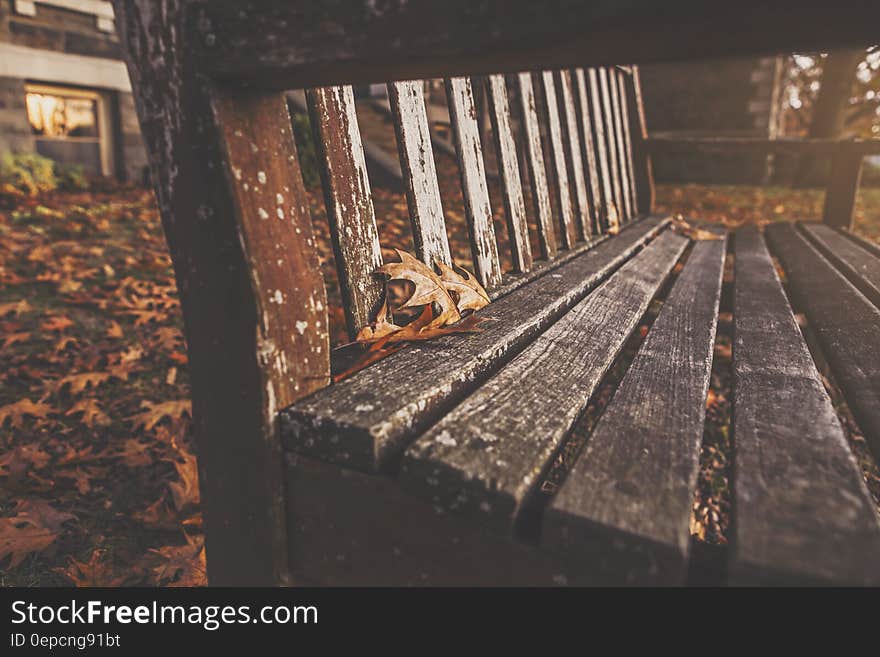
(427, 467)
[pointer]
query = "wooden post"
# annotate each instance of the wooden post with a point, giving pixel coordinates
(642, 167)
(236, 217)
(842, 186)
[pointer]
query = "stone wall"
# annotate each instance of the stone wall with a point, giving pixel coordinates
(15, 132)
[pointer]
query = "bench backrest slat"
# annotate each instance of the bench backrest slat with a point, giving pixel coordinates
(611, 140)
(534, 157)
(620, 141)
(575, 156)
(505, 147)
(609, 207)
(627, 140)
(419, 171)
(477, 206)
(349, 202)
(557, 157)
(589, 149)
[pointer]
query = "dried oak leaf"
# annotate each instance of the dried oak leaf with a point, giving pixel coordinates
(17, 411)
(155, 413)
(429, 287)
(97, 571)
(682, 227)
(77, 383)
(20, 538)
(91, 412)
(188, 560)
(186, 491)
(39, 513)
(16, 308)
(471, 295)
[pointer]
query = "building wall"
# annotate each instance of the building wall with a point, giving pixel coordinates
(733, 97)
(70, 43)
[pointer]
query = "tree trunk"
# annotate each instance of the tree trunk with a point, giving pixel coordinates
(829, 112)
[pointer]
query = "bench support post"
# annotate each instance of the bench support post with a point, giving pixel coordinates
(842, 187)
(236, 218)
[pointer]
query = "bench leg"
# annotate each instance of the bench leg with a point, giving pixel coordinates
(236, 217)
(842, 189)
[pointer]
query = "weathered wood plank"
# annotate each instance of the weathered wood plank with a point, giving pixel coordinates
(607, 116)
(485, 456)
(557, 156)
(643, 169)
(478, 208)
(589, 149)
(505, 147)
(620, 140)
(802, 512)
(610, 216)
(627, 141)
(629, 495)
(367, 420)
(535, 165)
(316, 43)
(846, 323)
(861, 267)
(572, 140)
(419, 171)
(346, 187)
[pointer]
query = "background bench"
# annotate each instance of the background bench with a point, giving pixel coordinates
(436, 478)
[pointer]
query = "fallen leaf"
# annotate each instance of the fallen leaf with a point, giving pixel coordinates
(57, 323)
(13, 338)
(135, 454)
(471, 295)
(186, 491)
(188, 560)
(155, 413)
(114, 330)
(94, 572)
(91, 412)
(682, 227)
(20, 538)
(79, 382)
(428, 286)
(17, 411)
(39, 513)
(16, 308)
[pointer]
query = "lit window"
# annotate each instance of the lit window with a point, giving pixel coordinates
(60, 117)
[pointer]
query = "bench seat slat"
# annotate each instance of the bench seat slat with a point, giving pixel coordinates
(860, 266)
(478, 208)
(534, 157)
(557, 157)
(846, 323)
(575, 157)
(505, 147)
(484, 457)
(802, 512)
(419, 171)
(588, 147)
(366, 420)
(634, 484)
(353, 231)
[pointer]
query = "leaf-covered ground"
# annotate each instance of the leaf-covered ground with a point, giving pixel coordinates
(98, 479)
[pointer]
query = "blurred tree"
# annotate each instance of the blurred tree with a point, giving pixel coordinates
(832, 95)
